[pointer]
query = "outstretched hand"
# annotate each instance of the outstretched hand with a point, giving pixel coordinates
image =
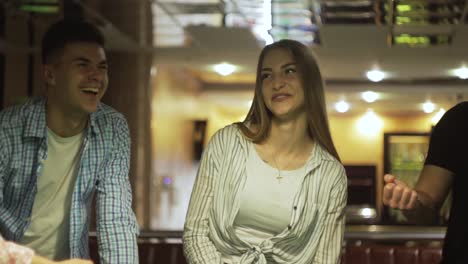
(398, 195)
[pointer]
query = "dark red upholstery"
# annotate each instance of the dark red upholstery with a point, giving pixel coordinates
(357, 255)
(382, 255)
(430, 255)
(407, 255)
(166, 253)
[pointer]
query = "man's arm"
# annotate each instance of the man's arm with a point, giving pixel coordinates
(116, 224)
(427, 196)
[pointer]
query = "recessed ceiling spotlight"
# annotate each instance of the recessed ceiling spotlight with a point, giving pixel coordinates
(462, 73)
(342, 106)
(369, 96)
(375, 75)
(224, 68)
(428, 107)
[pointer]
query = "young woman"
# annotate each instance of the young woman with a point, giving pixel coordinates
(271, 189)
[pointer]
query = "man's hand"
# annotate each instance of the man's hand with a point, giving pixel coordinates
(398, 195)
(41, 260)
(76, 261)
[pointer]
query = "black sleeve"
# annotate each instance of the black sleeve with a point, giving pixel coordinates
(449, 139)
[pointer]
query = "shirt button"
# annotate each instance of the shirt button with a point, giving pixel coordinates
(295, 207)
(289, 227)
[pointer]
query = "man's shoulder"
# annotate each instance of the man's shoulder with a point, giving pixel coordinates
(108, 114)
(460, 109)
(16, 115)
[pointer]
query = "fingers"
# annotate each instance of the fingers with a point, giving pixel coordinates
(413, 200)
(396, 197)
(388, 178)
(388, 193)
(396, 194)
(405, 198)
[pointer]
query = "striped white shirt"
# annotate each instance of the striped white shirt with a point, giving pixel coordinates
(316, 227)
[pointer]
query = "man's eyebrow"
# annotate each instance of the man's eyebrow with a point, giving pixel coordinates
(83, 59)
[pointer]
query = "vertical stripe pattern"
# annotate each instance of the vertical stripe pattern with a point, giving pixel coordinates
(316, 226)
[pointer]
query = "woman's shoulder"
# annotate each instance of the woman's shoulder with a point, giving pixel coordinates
(230, 130)
(226, 135)
(328, 161)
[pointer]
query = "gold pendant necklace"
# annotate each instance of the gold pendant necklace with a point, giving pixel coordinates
(278, 177)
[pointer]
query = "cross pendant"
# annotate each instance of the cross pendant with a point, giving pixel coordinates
(279, 177)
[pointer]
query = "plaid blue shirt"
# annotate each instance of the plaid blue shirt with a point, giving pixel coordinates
(103, 169)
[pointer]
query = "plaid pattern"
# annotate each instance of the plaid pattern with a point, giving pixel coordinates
(103, 170)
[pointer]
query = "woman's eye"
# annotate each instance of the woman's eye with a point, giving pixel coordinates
(290, 70)
(265, 76)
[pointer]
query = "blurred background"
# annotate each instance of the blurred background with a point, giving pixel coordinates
(182, 69)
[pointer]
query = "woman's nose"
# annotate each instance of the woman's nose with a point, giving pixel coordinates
(278, 82)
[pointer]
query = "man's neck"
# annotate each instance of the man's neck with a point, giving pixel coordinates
(63, 124)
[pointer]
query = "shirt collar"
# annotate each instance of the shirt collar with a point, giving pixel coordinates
(36, 124)
(93, 120)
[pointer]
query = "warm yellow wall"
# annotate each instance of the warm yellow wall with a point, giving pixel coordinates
(355, 147)
(179, 99)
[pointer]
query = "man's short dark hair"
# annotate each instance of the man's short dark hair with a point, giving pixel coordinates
(68, 31)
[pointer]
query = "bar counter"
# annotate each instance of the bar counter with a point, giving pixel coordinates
(353, 232)
(363, 244)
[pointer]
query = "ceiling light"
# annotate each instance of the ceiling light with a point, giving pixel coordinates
(462, 73)
(369, 96)
(224, 68)
(342, 106)
(370, 124)
(375, 75)
(428, 107)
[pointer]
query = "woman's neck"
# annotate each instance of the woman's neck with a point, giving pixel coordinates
(288, 136)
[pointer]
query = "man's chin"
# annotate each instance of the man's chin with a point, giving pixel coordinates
(90, 108)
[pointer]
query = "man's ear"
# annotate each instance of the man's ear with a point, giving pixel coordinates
(48, 74)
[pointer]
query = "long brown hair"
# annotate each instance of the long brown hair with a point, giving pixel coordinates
(314, 98)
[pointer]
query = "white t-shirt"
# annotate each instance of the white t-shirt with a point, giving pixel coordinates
(266, 202)
(48, 232)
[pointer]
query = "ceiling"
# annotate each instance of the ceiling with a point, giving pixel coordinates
(417, 43)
